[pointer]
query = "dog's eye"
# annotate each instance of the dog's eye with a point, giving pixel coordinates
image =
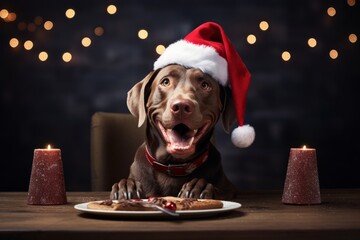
(205, 85)
(165, 82)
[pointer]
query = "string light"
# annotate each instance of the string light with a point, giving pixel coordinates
(160, 49)
(251, 39)
(70, 13)
(312, 42)
(111, 9)
(331, 11)
(43, 56)
(14, 42)
(67, 57)
(351, 3)
(286, 56)
(86, 42)
(4, 13)
(28, 45)
(48, 25)
(143, 34)
(99, 31)
(333, 54)
(353, 38)
(264, 25)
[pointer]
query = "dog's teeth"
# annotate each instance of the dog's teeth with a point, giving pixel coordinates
(191, 141)
(195, 131)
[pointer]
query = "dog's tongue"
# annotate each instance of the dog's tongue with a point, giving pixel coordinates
(181, 137)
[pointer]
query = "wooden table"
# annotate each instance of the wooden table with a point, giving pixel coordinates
(262, 216)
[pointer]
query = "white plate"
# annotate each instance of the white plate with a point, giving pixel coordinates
(227, 206)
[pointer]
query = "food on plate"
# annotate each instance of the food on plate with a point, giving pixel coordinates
(168, 202)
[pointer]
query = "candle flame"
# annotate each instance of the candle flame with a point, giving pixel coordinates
(304, 147)
(49, 146)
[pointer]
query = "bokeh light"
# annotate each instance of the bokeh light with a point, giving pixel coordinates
(286, 56)
(111, 9)
(4, 13)
(143, 34)
(86, 42)
(43, 56)
(331, 11)
(333, 54)
(264, 25)
(160, 49)
(67, 57)
(351, 3)
(312, 42)
(251, 39)
(70, 13)
(353, 38)
(48, 25)
(14, 42)
(28, 45)
(99, 31)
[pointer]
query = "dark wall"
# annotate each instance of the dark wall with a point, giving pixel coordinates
(311, 99)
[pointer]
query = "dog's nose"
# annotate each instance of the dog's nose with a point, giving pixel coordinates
(182, 107)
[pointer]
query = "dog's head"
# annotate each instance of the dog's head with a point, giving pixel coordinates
(183, 105)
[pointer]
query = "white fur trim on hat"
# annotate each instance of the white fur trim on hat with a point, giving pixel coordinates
(243, 136)
(203, 57)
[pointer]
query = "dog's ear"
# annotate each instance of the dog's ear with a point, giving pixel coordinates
(137, 97)
(228, 111)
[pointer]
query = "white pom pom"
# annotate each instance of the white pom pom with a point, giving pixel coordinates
(243, 136)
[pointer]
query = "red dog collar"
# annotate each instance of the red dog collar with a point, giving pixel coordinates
(177, 170)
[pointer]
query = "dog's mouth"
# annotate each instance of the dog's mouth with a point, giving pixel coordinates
(181, 139)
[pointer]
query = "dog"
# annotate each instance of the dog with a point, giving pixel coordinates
(180, 107)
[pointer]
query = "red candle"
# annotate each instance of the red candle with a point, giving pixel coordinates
(302, 180)
(47, 185)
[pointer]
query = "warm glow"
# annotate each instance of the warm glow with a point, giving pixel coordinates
(86, 41)
(4, 13)
(251, 39)
(351, 3)
(333, 54)
(111, 9)
(331, 11)
(353, 38)
(312, 42)
(67, 57)
(143, 34)
(11, 17)
(304, 147)
(22, 26)
(28, 45)
(43, 56)
(286, 56)
(99, 31)
(160, 49)
(70, 13)
(14, 42)
(38, 20)
(49, 147)
(31, 27)
(264, 25)
(48, 25)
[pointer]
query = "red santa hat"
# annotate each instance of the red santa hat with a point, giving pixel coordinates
(209, 49)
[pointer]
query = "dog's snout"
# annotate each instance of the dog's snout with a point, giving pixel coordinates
(182, 107)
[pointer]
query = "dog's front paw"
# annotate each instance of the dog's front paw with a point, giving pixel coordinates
(197, 188)
(126, 189)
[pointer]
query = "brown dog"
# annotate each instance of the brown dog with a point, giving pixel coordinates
(180, 107)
